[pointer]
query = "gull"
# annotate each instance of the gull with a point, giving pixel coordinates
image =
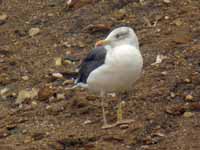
(113, 66)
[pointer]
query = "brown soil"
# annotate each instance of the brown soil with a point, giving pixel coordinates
(159, 104)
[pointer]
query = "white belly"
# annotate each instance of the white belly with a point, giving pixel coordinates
(122, 68)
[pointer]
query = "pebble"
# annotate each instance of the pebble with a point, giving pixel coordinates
(167, 1)
(60, 96)
(81, 44)
(124, 126)
(45, 93)
(164, 73)
(4, 91)
(3, 17)
(3, 133)
(188, 114)
(48, 107)
(25, 94)
(172, 94)
(67, 82)
(25, 78)
(24, 131)
(66, 44)
(57, 75)
(87, 122)
(34, 103)
(34, 31)
(158, 30)
(166, 17)
(112, 94)
(189, 97)
(27, 140)
(187, 80)
(159, 59)
(50, 14)
(58, 61)
(2, 61)
(178, 22)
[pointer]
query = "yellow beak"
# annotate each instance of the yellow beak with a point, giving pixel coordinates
(102, 43)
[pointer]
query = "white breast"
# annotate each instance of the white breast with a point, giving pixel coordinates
(123, 66)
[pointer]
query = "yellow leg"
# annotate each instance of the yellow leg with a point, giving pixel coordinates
(120, 111)
(120, 119)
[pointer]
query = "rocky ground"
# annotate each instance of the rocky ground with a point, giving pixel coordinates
(43, 41)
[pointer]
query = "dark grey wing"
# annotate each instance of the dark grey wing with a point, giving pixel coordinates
(93, 60)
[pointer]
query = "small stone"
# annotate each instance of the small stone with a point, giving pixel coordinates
(50, 14)
(159, 134)
(164, 73)
(178, 22)
(3, 133)
(27, 140)
(112, 94)
(58, 61)
(66, 44)
(13, 94)
(158, 30)
(34, 31)
(159, 59)
(24, 131)
(1, 61)
(25, 78)
(55, 45)
(48, 107)
(188, 114)
(124, 126)
(187, 80)
(120, 14)
(57, 75)
(67, 82)
(60, 96)
(4, 91)
(45, 93)
(189, 97)
(34, 103)
(25, 94)
(166, 17)
(172, 94)
(167, 1)
(87, 122)
(3, 17)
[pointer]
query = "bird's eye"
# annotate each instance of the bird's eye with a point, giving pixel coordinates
(117, 36)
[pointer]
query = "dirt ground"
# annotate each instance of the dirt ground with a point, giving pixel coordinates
(43, 41)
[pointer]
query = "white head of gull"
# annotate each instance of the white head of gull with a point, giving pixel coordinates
(113, 66)
(120, 36)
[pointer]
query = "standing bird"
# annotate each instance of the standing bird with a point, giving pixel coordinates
(112, 66)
